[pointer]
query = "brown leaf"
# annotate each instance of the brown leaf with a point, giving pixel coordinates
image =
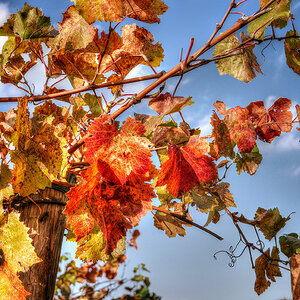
(166, 104)
(272, 268)
(261, 282)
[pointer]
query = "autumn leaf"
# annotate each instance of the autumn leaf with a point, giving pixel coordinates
(162, 192)
(243, 64)
(132, 242)
(261, 282)
(266, 267)
(74, 32)
(150, 123)
(5, 175)
(166, 104)
(292, 53)
(272, 269)
(113, 208)
(224, 195)
(271, 221)
(270, 123)
(11, 287)
(38, 158)
(187, 166)
(248, 162)
(114, 10)
(138, 48)
(204, 200)
(92, 248)
(278, 16)
(170, 224)
(241, 129)
(16, 244)
(222, 144)
(15, 69)
(124, 150)
(29, 23)
(15, 47)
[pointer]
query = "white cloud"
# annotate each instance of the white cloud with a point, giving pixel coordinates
(4, 13)
(138, 71)
(204, 125)
(286, 142)
(269, 101)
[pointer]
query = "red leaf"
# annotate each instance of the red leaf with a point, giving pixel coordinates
(187, 166)
(122, 151)
(222, 144)
(270, 123)
(166, 104)
(241, 129)
(113, 207)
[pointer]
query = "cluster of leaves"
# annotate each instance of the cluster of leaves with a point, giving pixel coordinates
(116, 177)
(89, 275)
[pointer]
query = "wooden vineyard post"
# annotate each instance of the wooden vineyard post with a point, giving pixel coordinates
(47, 224)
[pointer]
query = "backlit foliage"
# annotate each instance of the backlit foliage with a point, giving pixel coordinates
(116, 179)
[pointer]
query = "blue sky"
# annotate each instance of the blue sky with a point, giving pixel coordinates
(184, 268)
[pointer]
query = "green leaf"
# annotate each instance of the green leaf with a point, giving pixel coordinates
(292, 51)
(277, 17)
(29, 23)
(138, 278)
(270, 221)
(243, 64)
(289, 244)
(205, 202)
(94, 104)
(162, 192)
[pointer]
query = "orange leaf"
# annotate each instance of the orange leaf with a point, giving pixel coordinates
(187, 166)
(123, 151)
(270, 123)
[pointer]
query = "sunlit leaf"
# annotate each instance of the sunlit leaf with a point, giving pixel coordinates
(241, 129)
(11, 287)
(29, 23)
(242, 64)
(74, 32)
(115, 10)
(38, 158)
(16, 244)
(166, 104)
(270, 123)
(277, 17)
(124, 151)
(187, 166)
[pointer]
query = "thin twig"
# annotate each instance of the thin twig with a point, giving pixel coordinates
(185, 220)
